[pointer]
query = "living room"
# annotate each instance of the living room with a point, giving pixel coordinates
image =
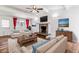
(25, 28)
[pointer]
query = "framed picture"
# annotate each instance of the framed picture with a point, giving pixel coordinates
(63, 22)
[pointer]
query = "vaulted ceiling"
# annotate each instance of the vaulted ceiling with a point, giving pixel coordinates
(21, 11)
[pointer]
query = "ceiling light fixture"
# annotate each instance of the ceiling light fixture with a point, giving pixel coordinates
(34, 8)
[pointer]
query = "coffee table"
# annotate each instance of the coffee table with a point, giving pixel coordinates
(27, 41)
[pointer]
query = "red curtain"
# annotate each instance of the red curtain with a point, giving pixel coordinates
(14, 22)
(27, 23)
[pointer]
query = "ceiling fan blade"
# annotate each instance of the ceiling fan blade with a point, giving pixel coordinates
(34, 7)
(39, 8)
(37, 11)
(30, 11)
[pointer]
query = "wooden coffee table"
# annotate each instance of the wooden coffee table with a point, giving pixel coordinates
(27, 41)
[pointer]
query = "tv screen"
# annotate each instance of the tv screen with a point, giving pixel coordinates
(44, 19)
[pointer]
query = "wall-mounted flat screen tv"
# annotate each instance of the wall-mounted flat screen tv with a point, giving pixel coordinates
(63, 22)
(44, 19)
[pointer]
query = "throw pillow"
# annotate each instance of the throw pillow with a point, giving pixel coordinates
(46, 46)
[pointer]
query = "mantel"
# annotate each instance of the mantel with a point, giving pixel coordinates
(44, 23)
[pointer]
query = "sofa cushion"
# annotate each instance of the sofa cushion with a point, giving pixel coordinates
(38, 44)
(59, 37)
(19, 39)
(13, 46)
(27, 49)
(46, 46)
(15, 35)
(25, 37)
(59, 47)
(26, 33)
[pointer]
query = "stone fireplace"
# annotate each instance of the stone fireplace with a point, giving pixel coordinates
(43, 28)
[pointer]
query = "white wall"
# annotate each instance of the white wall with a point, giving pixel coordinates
(53, 25)
(35, 21)
(73, 15)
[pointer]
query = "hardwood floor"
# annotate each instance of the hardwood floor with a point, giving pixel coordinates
(4, 45)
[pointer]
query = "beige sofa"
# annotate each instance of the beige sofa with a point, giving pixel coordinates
(56, 45)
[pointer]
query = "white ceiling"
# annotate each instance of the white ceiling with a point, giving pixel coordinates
(20, 10)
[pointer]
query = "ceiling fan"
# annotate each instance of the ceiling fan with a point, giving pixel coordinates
(34, 9)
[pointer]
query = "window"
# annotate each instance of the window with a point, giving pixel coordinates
(5, 23)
